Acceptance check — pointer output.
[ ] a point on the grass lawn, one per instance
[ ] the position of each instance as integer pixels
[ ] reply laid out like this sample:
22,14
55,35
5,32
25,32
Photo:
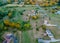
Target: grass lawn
25,37
55,19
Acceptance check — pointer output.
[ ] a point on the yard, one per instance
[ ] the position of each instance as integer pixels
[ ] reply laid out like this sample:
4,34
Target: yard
30,36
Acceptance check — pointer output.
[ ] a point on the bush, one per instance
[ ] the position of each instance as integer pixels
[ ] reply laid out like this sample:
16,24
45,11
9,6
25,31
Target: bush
9,14
25,25
6,22
43,27
34,17
37,29
17,25
12,24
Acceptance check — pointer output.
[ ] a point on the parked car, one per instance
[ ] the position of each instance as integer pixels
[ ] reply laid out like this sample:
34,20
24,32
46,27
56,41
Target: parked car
49,33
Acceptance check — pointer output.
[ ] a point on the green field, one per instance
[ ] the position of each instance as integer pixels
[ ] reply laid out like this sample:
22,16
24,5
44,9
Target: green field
25,37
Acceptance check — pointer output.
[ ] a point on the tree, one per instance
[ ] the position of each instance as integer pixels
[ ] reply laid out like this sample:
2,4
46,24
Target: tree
27,25
21,12
5,28
6,22
10,14
34,17
46,4
33,2
43,27
17,25
50,4
37,29
12,24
